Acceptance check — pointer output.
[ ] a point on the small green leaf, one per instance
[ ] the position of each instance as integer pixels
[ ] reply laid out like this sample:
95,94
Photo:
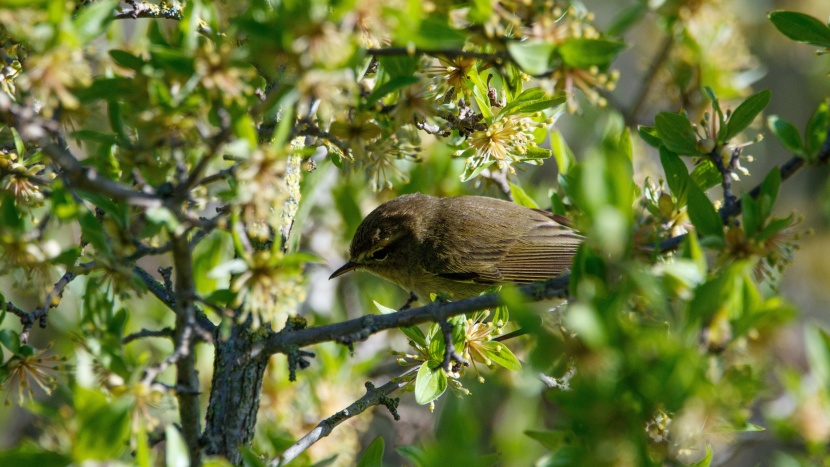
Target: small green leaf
817,348
677,175
19,147
801,28
470,173
176,454
552,440
744,114
817,127
585,53
627,18
534,154
565,158
702,213
10,340
430,383
389,87
384,310
94,19
533,57
160,215
92,232
706,175
707,459
769,191
676,133
521,198
127,60
786,133
499,354
373,454
415,455
649,135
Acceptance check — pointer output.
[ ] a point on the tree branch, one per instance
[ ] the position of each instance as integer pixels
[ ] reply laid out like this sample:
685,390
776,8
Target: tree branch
374,396
166,333
788,169
360,328
186,374
42,133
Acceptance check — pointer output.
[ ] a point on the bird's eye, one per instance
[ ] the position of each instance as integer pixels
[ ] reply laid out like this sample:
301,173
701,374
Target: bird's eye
380,254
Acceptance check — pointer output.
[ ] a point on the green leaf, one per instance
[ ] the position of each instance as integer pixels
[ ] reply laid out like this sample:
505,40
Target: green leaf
707,459
817,127
10,340
786,133
702,213
801,28
389,87
817,348
470,173
415,455
160,215
533,57
585,53
373,454
769,191
103,425
649,135
553,440
565,158
435,32
744,114
706,175
521,198
480,93
92,232
676,133
430,382
19,147
530,101
94,19
176,454
107,89
535,154
677,175
30,454
499,354
626,18
127,60
399,65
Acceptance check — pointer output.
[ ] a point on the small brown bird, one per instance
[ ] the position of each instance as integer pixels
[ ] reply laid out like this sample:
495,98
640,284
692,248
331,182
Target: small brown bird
460,246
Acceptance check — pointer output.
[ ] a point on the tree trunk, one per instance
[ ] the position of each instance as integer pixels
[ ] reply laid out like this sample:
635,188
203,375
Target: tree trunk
234,396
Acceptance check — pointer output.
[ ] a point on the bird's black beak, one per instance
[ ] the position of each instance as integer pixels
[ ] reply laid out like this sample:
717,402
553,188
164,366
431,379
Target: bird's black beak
350,266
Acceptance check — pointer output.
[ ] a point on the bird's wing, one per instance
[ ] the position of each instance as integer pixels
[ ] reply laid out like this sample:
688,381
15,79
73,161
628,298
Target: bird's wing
541,249
544,252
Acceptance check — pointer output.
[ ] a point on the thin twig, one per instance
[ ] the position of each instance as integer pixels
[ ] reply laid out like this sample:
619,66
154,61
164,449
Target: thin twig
374,396
43,133
166,333
355,329
450,354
